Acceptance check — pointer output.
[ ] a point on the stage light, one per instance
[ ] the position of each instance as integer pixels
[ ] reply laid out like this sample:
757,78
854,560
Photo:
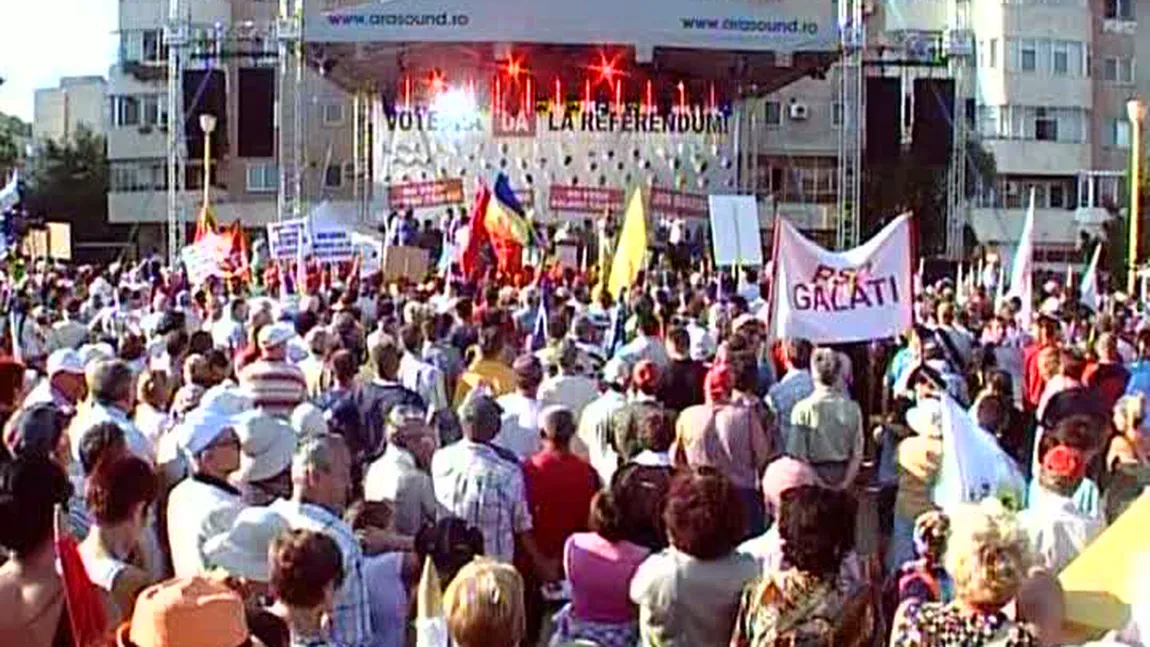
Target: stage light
606,69
682,87
455,109
558,95
619,95
514,69
437,82
650,97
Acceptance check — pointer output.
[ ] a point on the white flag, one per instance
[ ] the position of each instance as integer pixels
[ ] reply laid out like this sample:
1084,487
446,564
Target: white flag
10,193
1022,271
960,286
1088,293
855,295
974,466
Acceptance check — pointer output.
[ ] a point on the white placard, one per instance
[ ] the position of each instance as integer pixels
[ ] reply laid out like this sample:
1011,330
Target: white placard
735,230
285,238
370,251
837,297
205,259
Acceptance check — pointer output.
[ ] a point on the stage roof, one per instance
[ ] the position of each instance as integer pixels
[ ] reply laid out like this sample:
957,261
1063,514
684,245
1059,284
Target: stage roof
738,25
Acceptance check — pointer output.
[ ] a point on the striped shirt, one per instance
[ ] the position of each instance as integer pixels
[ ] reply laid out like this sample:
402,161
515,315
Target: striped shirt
277,387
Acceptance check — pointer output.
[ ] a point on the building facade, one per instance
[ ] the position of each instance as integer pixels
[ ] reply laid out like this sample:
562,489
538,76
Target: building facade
1048,84
79,101
232,68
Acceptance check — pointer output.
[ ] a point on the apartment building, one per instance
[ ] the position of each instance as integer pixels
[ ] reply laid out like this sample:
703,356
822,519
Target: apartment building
78,101
231,72
1048,84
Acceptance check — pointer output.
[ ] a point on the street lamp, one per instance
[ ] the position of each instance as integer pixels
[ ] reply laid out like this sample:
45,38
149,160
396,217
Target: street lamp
208,125
1136,111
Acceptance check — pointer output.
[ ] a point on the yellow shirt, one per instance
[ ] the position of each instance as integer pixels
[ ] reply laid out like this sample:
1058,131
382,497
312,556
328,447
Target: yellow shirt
497,375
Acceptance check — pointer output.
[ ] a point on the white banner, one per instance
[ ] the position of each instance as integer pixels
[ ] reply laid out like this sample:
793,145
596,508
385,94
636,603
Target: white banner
205,259
330,234
286,237
834,297
735,230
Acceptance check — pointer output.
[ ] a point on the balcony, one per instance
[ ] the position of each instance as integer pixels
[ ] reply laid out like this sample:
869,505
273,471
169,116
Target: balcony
1100,195
1032,157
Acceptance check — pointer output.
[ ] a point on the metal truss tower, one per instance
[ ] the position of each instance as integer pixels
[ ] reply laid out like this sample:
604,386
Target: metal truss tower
290,110
852,32
176,33
959,49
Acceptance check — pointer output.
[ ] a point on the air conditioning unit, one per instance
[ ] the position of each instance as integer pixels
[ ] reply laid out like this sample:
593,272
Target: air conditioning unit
799,111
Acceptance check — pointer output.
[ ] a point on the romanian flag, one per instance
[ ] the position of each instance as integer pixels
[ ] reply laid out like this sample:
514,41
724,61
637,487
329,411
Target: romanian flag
472,253
506,220
631,252
206,223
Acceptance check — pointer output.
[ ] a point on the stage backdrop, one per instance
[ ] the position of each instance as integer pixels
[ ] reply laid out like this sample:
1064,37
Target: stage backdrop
832,297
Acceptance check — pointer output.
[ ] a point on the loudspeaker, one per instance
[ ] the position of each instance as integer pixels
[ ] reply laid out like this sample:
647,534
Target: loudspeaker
205,91
256,125
883,110
933,132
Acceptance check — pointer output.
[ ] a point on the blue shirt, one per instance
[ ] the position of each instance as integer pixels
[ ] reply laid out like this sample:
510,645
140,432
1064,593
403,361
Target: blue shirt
1139,382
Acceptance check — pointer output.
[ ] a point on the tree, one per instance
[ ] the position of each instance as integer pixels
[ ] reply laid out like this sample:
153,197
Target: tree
13,134
68,182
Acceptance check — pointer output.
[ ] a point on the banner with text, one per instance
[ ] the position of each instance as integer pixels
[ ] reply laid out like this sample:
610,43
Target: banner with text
835,297
206,258
421,195
286,237
585,199
679,203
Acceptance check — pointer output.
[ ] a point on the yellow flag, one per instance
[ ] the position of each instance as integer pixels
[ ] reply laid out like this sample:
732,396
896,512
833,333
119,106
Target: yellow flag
631,252
1103,582
430,624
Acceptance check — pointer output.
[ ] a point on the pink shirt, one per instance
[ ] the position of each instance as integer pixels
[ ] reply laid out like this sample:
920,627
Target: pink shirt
600,575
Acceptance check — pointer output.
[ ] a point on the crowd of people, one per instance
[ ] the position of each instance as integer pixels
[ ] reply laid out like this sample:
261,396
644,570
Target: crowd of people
228,465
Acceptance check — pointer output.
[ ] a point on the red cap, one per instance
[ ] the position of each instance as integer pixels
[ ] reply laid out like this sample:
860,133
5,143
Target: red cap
1064,461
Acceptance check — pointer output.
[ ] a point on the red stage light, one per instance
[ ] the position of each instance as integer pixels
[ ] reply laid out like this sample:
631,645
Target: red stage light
514,69
606,69
682,87
619,95
436,81
558,94
650,96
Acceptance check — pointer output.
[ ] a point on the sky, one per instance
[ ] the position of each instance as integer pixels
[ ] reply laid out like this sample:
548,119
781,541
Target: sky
42,40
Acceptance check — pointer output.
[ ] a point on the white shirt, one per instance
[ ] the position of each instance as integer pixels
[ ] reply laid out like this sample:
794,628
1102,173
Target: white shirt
227,333
574,392
703,345
594,431
1058,531
519,432
95,413
395,477
424,379
645,348
198,510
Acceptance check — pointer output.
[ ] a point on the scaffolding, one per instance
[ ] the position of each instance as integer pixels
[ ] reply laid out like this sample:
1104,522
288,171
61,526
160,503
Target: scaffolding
852,30
176,33
289,110
959,50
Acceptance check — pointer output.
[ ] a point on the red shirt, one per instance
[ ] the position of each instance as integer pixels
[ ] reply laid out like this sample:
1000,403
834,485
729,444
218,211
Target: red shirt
1107,381
559,491
1032,383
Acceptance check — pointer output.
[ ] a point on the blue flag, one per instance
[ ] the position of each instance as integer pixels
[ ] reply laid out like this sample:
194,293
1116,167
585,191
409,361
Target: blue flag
616,337
538,339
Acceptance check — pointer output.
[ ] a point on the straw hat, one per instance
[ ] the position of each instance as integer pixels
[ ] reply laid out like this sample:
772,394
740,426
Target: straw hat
186,612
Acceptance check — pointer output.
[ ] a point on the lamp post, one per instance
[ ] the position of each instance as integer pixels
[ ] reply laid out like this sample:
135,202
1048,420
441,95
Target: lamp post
1136,111
208,125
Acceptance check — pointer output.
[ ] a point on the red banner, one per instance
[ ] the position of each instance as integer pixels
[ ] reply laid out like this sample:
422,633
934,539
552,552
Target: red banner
418,195
585,199
677,203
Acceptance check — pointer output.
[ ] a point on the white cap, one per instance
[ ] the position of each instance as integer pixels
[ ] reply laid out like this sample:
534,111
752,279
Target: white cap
201,428
307,420
267,444
276,335
65,360
616,371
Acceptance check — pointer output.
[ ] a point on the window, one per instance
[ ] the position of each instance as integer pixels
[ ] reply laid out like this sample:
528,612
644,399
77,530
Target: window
1028,56
1045,125
138,175
1061,59
1120,133
774,113
152,44
1058,196
836,114
153,110
333,176
333,114
131,47
126,111
1120,9
1118,69
263,177
993,52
